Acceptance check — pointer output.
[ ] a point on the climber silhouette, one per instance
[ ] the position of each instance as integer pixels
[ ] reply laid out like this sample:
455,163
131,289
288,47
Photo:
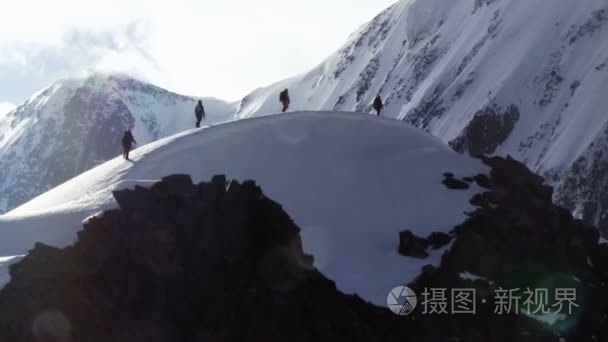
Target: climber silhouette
284,99
127,143
199,111
378,106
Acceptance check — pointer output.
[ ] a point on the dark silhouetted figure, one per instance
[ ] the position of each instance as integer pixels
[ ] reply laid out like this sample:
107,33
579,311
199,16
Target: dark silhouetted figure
284,99
199,111
378,106
127,143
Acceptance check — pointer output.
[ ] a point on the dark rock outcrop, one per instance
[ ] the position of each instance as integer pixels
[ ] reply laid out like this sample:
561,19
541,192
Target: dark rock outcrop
455,184
488,129
217,261
518,239
416,247
483,181
437,240
412,246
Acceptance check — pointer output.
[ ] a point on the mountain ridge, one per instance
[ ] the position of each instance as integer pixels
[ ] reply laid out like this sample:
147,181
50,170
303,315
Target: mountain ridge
313,163
482,76
499,77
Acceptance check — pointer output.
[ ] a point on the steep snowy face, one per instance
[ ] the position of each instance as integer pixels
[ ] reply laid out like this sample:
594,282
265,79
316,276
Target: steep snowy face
76,124
524,78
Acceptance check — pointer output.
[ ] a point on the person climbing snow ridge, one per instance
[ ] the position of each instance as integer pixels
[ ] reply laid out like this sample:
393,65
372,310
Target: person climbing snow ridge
127,142
199,112
284,99
378,106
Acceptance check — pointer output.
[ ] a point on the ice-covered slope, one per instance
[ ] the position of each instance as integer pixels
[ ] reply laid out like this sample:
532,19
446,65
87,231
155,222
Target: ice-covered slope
77,123
350,181
525,78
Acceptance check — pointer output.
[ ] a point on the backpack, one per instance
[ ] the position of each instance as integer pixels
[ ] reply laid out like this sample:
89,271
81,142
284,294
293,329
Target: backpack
127,138
377,103
200,110
283,96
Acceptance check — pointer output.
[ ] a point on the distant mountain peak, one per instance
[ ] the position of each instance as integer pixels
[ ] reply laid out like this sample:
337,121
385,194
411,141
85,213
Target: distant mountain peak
76,123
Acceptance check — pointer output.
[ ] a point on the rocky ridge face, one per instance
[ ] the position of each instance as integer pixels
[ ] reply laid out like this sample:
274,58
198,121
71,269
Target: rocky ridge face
219,261
517,239
216,261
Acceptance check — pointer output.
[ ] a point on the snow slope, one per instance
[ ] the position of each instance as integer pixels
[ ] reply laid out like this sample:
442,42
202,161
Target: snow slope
77,123
524,78
352,182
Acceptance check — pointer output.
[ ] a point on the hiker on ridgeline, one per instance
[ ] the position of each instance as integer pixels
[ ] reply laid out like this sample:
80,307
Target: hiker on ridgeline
127,143
199,111
284,99
378,106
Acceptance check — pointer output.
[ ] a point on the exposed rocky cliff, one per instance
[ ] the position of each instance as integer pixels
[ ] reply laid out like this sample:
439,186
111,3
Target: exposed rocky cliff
517,239
217,261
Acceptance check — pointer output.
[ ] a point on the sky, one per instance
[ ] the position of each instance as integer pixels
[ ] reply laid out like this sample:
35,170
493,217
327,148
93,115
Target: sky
220,48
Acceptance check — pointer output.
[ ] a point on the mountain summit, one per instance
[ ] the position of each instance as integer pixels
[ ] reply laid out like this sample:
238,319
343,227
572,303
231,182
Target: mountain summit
504,77
340,176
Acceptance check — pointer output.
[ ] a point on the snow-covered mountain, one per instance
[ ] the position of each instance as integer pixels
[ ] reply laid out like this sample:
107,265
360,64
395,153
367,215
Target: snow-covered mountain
76,124
485,76
524,78
351,182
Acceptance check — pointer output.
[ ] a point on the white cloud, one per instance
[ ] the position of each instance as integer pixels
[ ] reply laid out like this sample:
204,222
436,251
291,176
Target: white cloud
222,48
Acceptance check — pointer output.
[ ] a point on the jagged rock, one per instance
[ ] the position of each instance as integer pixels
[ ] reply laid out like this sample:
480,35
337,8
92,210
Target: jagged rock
508,171
216,261
452,183
511,174
599,260
483,181
488,129
518,239
174,185
412,246
415,247
219,180
133,199
437,240
480,200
